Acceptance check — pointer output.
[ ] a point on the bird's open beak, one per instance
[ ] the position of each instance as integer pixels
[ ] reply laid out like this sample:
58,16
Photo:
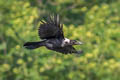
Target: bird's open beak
79,43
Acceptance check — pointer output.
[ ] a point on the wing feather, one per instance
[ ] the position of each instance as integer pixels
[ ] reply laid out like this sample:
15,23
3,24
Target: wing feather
51,28
66,49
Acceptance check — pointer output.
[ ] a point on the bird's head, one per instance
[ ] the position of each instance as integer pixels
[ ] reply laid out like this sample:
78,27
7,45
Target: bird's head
71,42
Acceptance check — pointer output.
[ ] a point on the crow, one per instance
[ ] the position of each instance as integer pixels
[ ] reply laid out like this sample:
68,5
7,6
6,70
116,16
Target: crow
51,33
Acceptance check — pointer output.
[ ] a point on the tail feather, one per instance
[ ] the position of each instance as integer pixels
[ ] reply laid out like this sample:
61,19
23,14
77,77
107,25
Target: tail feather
33,45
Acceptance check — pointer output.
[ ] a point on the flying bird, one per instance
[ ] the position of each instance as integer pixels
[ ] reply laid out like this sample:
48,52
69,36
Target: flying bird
51,33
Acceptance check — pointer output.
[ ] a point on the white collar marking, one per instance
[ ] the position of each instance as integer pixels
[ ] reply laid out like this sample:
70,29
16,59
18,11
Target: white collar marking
64,42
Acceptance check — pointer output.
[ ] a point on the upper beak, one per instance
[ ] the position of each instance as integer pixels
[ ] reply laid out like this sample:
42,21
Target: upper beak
79,43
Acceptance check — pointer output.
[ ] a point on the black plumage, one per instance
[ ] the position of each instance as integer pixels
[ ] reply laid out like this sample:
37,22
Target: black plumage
51,31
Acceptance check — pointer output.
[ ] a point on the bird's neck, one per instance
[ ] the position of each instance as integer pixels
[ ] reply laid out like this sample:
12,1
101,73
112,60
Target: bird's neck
65,42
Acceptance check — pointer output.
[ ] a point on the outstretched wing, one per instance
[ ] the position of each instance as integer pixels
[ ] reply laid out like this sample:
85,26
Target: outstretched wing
66,49
51,28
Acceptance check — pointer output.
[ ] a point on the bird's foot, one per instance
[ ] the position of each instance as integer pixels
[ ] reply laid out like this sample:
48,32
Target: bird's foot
79,52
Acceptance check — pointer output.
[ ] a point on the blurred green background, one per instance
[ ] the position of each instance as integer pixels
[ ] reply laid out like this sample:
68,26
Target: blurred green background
94,22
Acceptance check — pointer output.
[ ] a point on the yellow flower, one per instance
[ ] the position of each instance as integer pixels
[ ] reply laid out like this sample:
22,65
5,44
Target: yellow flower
117,64
92,64
112,61
105,64
18,20
15,70
76,60
6,66
95,7
26,4
59,61
81,59
27,32
53,60
47,66
20,61
31,18
13,8
29,59
112,66
82,75
84,9
91,17
42,69
18,47
75,34
81,28
89,55
65,56
70,75
105,6
96,51
89,34
117,18
98,39
71,27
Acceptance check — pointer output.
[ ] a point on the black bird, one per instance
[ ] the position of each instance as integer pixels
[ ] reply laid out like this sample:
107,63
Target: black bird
51,31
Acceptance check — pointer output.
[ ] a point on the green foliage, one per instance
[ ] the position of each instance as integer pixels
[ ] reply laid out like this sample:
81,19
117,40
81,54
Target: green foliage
95,22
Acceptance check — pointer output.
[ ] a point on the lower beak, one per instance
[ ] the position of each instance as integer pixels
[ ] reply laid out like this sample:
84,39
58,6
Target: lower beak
79,43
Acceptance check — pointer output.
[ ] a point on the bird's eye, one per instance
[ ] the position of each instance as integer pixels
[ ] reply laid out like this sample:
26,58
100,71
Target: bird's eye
66,42
74,41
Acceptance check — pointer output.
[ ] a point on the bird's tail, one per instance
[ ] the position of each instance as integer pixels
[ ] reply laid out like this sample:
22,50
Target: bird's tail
33,45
